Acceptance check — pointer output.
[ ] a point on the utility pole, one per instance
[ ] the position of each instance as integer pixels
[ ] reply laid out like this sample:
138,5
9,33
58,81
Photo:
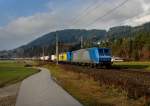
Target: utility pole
57,58
43,54
81,42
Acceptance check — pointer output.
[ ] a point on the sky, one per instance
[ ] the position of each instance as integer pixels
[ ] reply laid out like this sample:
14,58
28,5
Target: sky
22,21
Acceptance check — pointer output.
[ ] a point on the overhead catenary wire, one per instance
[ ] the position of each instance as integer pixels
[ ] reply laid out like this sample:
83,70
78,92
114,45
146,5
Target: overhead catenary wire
87,11
109,12
91,8
138,15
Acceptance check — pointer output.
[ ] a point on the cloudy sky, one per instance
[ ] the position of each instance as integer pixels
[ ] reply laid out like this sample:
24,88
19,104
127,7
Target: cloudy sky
22,21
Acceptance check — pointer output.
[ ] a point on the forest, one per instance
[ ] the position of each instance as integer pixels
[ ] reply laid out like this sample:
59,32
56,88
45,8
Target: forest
135,48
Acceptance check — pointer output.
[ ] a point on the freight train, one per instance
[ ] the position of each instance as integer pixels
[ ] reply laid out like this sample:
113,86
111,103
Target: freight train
89,56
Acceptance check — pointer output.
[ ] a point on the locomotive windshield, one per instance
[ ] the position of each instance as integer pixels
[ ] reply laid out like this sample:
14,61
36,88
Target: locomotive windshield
101,52
104,52
107,52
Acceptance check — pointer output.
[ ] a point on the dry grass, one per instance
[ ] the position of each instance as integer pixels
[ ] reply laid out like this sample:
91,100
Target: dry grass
89,91
8,101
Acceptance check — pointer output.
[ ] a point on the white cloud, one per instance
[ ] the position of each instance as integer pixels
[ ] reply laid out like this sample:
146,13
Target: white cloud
139,20
143,19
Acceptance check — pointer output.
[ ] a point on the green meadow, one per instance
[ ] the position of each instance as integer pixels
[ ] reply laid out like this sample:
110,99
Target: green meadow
14,71
133,65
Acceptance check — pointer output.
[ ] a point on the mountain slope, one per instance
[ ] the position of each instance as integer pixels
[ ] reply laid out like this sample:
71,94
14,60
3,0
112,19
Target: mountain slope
67,36
69,39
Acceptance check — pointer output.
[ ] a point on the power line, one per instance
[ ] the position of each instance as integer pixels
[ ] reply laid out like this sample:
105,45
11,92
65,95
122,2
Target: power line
109,12
88,9
83,12
127,19
81,42
86,12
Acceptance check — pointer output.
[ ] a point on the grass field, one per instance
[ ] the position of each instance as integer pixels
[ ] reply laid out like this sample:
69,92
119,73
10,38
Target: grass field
102,87
132,65
13,71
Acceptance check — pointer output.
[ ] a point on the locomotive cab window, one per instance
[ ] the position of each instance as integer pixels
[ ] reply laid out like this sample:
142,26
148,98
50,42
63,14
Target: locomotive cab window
107,52
101,52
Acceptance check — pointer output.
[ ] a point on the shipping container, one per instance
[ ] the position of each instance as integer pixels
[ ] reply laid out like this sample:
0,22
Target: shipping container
62,57
69,56
53,57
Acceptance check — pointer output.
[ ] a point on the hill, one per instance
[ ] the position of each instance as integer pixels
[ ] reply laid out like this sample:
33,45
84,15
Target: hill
69,39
